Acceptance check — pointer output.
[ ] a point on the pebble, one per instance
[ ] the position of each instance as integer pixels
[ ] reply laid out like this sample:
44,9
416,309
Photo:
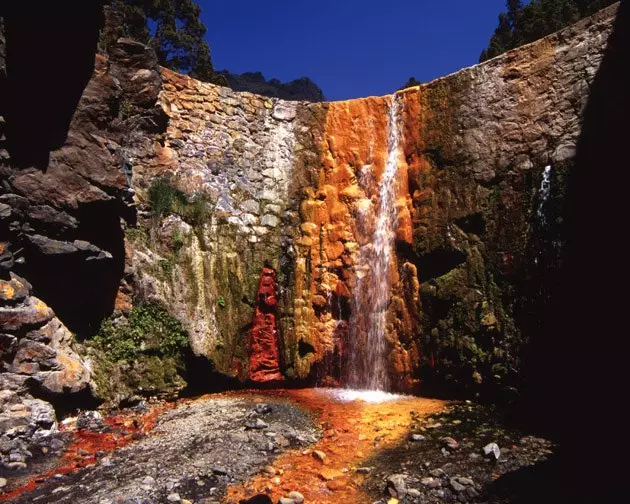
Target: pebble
3,482
492,451
417,437
262,408
286,500
449,442
258,424
396,486
319,455
456,485
296,497
437,473
431,482
221,471
174,497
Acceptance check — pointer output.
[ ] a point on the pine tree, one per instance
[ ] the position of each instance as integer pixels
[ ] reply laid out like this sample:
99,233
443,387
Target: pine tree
177,35
523,24
501,41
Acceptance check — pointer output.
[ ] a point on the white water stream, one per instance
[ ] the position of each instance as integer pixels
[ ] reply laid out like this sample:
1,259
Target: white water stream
371,296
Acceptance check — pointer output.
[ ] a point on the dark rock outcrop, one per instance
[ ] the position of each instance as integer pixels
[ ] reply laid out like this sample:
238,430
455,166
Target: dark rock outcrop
303,89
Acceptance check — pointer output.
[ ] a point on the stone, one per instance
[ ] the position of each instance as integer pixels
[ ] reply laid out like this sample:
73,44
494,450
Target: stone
34,312
284,111
3,482
250,206
262,408
285,500
456,485
431,482
269,220
449,443
396,486
492,451
296,497
173,497
330,474
148,481
319,455
417,437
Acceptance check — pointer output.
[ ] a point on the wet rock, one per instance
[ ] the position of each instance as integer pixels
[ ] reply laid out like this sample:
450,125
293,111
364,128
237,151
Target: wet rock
91,420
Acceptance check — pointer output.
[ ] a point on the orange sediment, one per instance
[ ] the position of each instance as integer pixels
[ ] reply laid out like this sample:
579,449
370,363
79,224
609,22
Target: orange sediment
352,433
82,450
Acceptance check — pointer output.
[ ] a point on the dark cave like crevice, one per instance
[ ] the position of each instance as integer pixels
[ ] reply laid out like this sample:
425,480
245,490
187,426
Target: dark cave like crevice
578,354
439,262
305,348
80,287
474,223
50,50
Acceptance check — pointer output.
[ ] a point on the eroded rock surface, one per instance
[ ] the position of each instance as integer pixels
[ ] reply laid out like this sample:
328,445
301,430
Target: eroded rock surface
195,451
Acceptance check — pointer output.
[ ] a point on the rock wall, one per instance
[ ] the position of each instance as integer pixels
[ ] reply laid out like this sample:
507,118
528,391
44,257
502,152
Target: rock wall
482,163
257,185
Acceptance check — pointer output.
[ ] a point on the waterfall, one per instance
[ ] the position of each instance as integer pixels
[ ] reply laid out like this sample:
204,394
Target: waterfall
544,192
371,295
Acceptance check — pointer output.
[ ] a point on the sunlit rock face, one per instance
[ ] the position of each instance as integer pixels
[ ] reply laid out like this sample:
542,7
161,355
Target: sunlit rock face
293,191
295,188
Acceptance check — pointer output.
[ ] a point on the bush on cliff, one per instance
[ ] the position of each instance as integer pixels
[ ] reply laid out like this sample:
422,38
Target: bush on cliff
165,199
142,353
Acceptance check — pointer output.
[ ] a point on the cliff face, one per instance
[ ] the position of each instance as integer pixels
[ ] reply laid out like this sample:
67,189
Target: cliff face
261,253
481,163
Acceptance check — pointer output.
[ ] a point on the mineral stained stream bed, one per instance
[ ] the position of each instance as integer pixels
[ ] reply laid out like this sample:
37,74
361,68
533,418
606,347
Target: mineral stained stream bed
319,445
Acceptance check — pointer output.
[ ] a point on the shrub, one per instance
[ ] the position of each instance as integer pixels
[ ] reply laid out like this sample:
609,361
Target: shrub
149,329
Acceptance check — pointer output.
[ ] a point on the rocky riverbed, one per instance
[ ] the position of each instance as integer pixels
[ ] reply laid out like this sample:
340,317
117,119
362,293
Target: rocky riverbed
289,447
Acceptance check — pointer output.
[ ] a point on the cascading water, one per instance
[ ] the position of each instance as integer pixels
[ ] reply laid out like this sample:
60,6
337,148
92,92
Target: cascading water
371,295
545,190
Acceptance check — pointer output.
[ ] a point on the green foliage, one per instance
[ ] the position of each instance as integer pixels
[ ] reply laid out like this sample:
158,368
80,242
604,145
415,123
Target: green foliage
178,241
522,24
147,330
167,267
166,199
178,35
163,197
221,301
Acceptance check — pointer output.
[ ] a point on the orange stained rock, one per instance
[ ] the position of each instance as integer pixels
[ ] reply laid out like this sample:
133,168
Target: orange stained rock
86,444
352,432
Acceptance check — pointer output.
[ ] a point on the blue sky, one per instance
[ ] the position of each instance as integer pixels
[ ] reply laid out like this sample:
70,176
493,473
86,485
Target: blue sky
350,48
